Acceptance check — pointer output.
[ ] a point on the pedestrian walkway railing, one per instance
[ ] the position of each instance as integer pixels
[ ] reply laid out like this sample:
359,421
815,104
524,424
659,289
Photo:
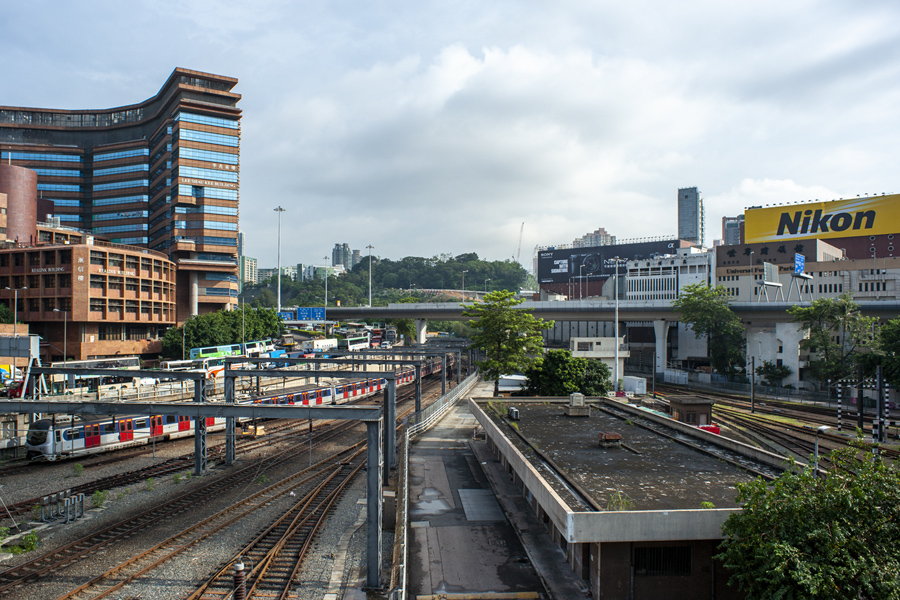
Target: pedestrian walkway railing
413,426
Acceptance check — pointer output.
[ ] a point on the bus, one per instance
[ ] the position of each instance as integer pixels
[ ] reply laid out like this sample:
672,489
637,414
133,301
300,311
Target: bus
91,383
354,343
217,351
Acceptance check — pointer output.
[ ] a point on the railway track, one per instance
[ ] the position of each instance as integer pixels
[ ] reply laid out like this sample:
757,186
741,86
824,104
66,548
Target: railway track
13,579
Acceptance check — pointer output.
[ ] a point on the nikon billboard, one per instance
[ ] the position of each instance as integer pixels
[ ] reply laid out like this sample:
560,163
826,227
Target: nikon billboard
823,220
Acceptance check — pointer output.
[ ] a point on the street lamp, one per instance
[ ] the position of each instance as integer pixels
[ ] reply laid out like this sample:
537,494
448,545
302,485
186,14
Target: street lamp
325,309
616,292
464,285
16,306
65,333
485,286
279,210
370,246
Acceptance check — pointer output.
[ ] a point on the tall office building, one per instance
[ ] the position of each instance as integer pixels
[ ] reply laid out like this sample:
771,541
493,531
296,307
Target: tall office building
731,230
691,216
161,174
355,259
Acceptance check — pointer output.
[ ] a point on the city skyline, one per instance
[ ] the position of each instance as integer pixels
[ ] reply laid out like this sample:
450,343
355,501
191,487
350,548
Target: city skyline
379,122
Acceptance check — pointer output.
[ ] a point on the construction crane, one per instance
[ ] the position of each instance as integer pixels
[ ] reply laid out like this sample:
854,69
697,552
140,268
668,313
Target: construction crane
519,245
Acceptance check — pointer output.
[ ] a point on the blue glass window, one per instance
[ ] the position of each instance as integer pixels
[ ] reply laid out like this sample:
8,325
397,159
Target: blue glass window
213,174
74,218
208,155
59,172
58,187
209,138
39,156
208,192
131,240
121,228
219,241
121,200
204,120
124,169
209,210
133,214
221,277
122,154
59,202
117,185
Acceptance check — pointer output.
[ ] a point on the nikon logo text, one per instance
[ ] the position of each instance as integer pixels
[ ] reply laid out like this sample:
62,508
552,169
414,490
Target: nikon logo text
808,221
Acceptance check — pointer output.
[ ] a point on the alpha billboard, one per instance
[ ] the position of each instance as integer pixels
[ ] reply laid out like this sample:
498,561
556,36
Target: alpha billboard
591,264
823,220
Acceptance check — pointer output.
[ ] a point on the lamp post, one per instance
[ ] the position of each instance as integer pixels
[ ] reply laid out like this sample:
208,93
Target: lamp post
370,246
279,210
821,429
325,309
616,292
485,286
16,306
65,333
464,285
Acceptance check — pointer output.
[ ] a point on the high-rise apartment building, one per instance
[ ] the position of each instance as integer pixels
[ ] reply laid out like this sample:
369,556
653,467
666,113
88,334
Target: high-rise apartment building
355,259
731,230
599,237
691,216
341,255
249,272
162,174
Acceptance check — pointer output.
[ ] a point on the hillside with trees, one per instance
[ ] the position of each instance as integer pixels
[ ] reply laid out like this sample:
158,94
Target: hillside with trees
412,277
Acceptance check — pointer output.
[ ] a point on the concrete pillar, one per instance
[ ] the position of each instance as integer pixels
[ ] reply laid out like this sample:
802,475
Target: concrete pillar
661,329
374,506
194,301
200,458
229,422
421,328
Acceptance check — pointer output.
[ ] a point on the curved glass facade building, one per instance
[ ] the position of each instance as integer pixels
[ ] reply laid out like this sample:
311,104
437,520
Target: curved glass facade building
162,174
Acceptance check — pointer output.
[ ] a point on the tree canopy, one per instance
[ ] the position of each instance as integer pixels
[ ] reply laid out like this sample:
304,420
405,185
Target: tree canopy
558,373
838,332
220,328
509,337
887,345
706,309
829,538
392,281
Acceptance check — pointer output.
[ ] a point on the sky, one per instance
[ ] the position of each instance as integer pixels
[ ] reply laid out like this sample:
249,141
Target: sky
439,127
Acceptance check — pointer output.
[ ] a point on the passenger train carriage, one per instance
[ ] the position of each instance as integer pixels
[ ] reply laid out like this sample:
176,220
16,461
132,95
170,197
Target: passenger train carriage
67,437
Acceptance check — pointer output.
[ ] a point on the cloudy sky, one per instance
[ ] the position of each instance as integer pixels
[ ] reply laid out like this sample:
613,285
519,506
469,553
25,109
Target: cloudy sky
435,127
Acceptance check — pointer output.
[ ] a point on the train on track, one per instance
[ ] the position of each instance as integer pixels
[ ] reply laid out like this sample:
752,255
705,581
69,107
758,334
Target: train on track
68,437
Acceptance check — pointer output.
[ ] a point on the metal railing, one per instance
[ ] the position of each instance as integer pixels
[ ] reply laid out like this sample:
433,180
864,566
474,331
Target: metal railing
413,426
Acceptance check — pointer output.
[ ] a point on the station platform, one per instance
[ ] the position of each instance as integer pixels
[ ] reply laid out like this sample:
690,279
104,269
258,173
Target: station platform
472,534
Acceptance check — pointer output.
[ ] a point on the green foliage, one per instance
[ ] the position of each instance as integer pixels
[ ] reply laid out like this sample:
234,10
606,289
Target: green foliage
176,478
4,533
150,483
98,498
78,469
558,373
707,505
838,333
619,502
706,310
803,536
772,372
219,328
887,351
30,541
36,511
6,315
392,281
509,337
262,479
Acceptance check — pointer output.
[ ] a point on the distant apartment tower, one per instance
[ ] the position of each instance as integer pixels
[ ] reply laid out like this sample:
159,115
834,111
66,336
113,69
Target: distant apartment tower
600,237
161,174
731,230
691,216
341,255
355,259
249,272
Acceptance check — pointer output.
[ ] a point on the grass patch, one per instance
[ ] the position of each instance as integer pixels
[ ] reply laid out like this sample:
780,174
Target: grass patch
78,469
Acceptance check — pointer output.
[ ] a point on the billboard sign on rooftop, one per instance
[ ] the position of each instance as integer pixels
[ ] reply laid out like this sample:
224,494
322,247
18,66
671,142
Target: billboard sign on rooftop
596,262
823,220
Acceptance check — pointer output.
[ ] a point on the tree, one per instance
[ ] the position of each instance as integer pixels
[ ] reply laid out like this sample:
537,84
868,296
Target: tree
888,347
773,373
219,328
837,334
509,337
6,315
558,373
803,536
706,310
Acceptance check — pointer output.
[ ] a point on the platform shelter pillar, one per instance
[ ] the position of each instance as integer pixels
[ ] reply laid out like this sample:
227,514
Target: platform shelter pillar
418,387
421,328
200,463
229,423
374,464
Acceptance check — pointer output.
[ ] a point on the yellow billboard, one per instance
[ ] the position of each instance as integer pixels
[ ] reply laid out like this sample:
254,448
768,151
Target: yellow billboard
823,220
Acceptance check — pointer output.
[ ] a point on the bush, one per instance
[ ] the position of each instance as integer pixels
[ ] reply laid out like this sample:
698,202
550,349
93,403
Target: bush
150,483
707,505
176,478
4,533
78,469
30,541
98,498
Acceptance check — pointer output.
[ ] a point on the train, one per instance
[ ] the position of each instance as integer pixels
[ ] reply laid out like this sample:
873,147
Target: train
65,437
